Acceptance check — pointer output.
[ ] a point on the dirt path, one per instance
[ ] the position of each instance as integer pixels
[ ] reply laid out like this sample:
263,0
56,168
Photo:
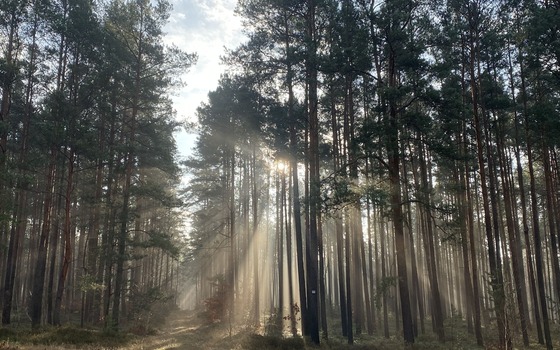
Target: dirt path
184,330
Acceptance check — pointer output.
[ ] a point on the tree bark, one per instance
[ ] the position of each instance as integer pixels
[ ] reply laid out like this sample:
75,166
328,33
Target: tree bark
314,191
393,153
429,246
67,253
514,244
41,262
495,272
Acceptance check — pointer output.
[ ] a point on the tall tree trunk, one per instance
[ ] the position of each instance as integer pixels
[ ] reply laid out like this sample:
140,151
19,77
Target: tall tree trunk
459,175
232,233
289,250
429,245
524,215
322,274
538,248
469,208
256,237
514,244
383,234
105,269
344,312
129,165
551,210
7,85
92,254
281,208
122,236
371,255
298,232
314,179
41,262
495,272
67,252
409,244
19,224
297,207
349,285
393,153
499,293
55,260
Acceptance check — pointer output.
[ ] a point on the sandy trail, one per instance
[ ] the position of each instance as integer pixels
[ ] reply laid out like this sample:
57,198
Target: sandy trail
184,330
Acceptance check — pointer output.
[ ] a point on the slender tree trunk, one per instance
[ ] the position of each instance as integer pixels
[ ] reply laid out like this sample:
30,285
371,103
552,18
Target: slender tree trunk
397,216
409,241
344,314
7,89
551,207
459,175
371,273
231,271
469,209
129,163
429,244
281,204
256,238
67,253
322,288
92,253
499,293
314,190
383,234
41,262
54,246
293,324
495,272
524,215
538,248
369,314
349,285
16,234
297,215
121,240
18,226
396,204
105,269
514,244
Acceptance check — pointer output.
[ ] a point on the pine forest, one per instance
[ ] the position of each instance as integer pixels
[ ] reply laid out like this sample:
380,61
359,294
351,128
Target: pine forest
364,172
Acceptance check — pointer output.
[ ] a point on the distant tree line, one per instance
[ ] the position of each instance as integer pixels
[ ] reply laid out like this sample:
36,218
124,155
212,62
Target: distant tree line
88,173
387,164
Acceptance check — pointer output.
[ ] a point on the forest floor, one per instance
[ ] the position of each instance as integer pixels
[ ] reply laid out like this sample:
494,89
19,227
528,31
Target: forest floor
185,330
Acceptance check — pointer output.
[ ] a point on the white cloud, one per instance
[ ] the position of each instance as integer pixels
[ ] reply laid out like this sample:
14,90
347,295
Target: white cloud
204,27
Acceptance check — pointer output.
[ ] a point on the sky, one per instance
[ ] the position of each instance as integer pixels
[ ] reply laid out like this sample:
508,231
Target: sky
204,27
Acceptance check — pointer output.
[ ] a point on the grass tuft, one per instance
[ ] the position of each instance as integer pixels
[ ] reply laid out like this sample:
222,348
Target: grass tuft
4,345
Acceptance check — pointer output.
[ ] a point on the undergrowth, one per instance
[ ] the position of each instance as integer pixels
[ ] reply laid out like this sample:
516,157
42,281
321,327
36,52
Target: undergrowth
186,332
69,336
